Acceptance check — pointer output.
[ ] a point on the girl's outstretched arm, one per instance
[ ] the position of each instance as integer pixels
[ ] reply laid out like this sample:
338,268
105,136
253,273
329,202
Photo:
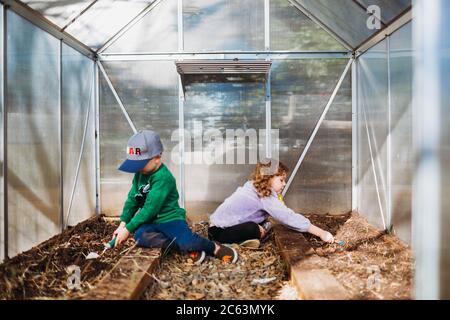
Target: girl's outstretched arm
322,234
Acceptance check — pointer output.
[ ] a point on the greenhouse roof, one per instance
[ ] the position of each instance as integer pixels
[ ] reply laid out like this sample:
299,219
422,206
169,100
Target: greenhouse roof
97,23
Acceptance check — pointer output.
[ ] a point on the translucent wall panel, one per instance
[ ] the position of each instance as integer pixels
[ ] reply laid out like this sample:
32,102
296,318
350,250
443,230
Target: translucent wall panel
401,130
290,29
220,106
157,31
389,8
323,183
77,99
149,91
300,91
114,134
373,129
2,198
60,12
223,25
104,19
344,17
33,157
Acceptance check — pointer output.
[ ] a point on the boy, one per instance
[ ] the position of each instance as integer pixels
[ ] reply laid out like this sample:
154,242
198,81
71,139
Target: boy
160,220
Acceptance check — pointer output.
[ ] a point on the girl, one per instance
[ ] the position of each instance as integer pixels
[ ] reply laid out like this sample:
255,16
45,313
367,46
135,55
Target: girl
241,218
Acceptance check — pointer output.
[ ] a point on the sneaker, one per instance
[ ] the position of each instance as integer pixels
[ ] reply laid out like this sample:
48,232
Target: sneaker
250,244
197,257
226,254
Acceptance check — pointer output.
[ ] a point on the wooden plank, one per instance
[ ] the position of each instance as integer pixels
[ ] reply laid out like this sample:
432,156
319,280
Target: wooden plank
129,277
307,270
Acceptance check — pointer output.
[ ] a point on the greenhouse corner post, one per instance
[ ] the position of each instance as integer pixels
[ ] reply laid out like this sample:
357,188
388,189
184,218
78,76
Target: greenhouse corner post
181,97
354,135
97,139
5,131
61,145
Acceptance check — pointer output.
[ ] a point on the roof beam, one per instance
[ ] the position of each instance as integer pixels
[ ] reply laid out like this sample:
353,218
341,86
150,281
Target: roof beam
396,23
40,21
79,15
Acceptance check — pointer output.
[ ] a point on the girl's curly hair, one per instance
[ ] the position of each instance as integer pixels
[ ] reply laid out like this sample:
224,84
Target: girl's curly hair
261,180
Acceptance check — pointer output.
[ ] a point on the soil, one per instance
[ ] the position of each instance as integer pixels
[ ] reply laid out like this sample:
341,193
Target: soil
42,272
371,264
178,278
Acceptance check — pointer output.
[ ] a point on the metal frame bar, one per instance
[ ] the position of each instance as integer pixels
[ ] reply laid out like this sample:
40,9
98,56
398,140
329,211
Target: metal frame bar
321,24
97,141
316,128
268,98
355,135
396,23
79,15
40,21
267,25
124,111
429,29
389,140
229,55
80,157
373,168
5,134
61,142
181,98
128,26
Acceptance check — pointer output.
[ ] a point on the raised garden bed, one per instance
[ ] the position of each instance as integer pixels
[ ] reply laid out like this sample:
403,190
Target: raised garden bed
369,265
42,272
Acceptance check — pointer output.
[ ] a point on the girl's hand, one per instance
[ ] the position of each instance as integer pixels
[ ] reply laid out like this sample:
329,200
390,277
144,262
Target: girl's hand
122,235
327,237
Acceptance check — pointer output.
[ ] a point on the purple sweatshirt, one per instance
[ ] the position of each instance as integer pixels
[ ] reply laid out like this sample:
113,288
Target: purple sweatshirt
246,205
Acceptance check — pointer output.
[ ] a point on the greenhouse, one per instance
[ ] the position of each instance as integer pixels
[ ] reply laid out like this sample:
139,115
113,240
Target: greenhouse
349,95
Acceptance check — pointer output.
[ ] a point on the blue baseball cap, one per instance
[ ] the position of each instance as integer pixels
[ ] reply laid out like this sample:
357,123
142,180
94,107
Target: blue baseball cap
141,147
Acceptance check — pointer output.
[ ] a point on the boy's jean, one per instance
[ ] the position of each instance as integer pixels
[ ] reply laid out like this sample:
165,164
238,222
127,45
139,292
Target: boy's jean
178,231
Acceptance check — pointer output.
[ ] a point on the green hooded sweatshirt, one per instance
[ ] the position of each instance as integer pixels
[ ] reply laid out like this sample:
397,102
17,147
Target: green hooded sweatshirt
161,203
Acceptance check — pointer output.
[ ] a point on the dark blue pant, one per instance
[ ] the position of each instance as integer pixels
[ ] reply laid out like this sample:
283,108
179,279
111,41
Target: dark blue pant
178,231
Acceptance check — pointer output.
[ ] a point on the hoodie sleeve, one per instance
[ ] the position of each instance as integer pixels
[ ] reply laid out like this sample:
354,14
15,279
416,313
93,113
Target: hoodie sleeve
131,206
280,212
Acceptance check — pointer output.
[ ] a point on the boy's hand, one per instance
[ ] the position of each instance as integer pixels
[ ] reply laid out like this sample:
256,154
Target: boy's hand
121,226
122,235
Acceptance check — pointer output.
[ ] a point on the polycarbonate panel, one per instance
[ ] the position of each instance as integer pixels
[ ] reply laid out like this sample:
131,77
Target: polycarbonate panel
114,134
77,98
372,134
60,12
33,158
149,92
104,19
300,91
290,29
157,31
220,107
389,9
344,17
402,159
2,193
223,25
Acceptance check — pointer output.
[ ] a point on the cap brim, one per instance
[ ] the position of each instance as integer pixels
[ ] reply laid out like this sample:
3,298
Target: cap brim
133,166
